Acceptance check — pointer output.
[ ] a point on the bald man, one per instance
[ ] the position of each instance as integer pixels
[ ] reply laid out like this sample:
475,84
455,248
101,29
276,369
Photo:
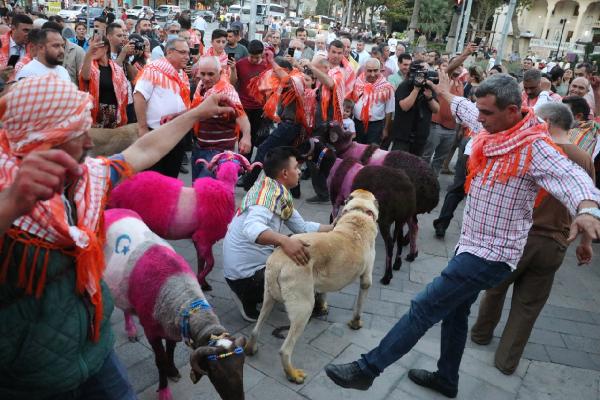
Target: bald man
374,104
219,133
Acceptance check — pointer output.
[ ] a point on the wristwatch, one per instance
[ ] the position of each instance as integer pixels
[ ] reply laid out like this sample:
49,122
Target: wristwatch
594,212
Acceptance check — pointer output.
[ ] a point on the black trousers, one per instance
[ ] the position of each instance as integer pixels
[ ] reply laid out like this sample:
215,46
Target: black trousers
456,191
256,120
169,165
415,147
249,290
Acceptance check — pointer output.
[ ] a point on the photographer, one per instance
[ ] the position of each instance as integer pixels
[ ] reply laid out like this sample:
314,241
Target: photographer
415,102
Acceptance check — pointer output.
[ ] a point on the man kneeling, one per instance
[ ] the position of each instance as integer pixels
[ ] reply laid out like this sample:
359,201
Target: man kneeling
255,230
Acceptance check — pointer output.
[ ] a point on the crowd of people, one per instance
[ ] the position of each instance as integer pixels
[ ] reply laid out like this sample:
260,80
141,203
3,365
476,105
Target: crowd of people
262,98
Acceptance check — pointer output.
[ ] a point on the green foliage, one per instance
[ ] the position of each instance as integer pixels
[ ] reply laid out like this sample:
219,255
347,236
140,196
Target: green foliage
396,10
322,7
435,16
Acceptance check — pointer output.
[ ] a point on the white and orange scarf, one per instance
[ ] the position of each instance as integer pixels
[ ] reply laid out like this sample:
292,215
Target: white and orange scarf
371,93
222,87
40,113
161,73
498,155
335,95
119,83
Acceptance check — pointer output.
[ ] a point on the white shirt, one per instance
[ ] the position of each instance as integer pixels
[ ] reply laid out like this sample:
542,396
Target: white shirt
331,36
242,256
199,24
378,110
363,56
160,102
157,53
348,125
16,49
392,64
36,68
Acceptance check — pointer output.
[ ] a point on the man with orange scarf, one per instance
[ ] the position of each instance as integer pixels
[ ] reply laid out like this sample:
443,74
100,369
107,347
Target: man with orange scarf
512,158
374,104
14,42
217,134
163,89
54,307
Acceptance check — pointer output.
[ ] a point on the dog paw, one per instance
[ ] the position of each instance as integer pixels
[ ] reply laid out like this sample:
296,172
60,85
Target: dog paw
320,311
296,376
355,324
385,280
251,349
412,256
397,264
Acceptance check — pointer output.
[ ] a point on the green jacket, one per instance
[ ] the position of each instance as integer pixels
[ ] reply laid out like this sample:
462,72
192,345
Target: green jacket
44,343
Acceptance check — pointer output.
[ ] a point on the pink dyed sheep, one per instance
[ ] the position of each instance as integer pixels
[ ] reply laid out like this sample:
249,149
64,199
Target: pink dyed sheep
176,212
148,278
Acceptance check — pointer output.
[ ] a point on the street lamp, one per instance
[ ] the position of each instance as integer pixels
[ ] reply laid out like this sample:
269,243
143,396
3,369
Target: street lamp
563,21
497,15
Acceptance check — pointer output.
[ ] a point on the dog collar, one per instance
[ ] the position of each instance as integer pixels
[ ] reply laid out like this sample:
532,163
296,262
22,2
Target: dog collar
321,156
192,308
368,212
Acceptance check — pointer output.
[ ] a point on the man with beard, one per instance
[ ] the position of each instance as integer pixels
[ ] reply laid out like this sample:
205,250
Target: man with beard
50,54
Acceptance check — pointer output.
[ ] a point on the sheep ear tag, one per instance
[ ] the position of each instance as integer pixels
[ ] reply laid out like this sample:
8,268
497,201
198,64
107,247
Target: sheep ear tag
333,137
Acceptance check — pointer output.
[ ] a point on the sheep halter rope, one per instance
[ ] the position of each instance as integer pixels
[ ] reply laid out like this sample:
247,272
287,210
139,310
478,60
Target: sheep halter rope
192,308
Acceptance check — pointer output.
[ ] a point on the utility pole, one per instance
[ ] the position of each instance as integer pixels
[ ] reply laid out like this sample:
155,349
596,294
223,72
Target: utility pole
464,26
507,21
349,20
563,21
252,23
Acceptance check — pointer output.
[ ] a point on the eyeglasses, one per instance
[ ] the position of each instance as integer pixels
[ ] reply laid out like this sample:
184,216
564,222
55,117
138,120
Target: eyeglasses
173,31
183,52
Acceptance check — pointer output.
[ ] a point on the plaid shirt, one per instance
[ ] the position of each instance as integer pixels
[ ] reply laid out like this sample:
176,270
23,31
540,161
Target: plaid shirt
498,216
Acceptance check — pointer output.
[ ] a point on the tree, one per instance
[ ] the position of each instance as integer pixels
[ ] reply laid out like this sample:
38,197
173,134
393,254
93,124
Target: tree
434,17
414,20
322,7
522,5
396,11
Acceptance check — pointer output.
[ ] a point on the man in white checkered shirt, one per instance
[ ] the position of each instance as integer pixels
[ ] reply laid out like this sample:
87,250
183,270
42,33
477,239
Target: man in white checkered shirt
512,158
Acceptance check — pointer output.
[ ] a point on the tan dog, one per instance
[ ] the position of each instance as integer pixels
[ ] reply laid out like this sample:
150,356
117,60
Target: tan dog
337,258
112,141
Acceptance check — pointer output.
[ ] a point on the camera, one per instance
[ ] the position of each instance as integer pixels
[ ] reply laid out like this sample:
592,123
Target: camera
418,75
138,43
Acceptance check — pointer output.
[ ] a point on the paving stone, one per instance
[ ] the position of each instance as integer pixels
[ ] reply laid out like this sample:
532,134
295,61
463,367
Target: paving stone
131,353
573,358
546,381
322,387
378,307
582,343
395,296
547,337
332,341
269,388
557,325
342,316
536,352
570,314
589,330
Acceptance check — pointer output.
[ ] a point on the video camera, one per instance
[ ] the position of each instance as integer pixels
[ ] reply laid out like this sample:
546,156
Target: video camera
418,75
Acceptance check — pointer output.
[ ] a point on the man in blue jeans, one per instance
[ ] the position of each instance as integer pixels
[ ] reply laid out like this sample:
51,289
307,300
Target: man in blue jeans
512,157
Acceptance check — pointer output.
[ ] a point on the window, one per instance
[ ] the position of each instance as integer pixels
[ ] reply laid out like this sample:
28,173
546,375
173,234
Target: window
576,10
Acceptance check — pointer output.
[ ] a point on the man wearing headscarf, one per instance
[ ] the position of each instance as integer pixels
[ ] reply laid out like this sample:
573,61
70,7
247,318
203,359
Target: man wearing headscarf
54,308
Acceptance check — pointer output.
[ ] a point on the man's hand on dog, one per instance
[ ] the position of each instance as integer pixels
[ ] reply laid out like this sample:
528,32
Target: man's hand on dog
295,249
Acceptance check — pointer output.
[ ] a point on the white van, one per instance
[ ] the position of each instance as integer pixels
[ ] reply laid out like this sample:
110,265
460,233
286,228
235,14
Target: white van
262,10
233,11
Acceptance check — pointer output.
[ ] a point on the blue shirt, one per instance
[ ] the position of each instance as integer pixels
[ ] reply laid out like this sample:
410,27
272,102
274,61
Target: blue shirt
242,256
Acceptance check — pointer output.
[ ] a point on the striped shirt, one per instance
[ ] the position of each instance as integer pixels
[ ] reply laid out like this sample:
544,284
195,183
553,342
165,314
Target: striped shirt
498,216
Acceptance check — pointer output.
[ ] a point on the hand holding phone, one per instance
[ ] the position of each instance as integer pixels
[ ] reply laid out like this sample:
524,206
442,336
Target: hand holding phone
291,51
13,60
230,56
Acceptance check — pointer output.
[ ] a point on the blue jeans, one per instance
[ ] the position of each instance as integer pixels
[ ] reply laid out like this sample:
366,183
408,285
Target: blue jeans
447,298
199,170
110,383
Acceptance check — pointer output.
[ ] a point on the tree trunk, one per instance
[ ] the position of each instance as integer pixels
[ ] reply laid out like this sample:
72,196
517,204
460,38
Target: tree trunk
451,44
414,21
516,32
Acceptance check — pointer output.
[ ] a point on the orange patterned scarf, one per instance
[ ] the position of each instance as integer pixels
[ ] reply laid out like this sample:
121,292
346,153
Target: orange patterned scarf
119,83
161,73
221,87
498,155
39,113
371,93
335,95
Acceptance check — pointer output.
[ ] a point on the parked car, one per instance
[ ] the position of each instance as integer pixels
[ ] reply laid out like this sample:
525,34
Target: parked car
166,12
208,15
73,13
137,11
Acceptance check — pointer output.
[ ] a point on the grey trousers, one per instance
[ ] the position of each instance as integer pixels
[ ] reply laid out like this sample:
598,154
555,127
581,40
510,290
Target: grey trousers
439,143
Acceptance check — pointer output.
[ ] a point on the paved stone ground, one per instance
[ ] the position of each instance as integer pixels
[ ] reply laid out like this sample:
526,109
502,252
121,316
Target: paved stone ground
561,360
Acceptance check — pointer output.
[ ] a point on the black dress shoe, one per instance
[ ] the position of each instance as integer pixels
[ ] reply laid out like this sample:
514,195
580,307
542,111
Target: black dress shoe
432,381
349,376
440,231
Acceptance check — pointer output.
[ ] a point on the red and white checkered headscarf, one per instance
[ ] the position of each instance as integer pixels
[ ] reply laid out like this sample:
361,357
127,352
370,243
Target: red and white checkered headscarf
42,112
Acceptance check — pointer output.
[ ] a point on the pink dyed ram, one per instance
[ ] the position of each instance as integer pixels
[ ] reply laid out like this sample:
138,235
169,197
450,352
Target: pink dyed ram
201,212
148,278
